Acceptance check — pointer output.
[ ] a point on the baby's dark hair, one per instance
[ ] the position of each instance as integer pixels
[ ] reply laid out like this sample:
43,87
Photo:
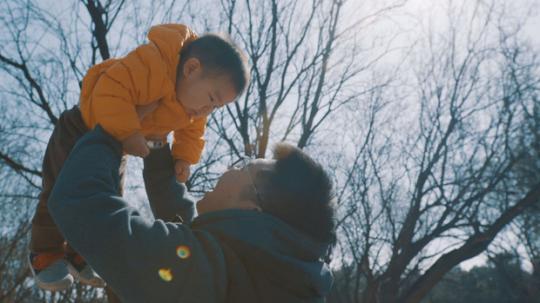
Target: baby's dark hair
218,56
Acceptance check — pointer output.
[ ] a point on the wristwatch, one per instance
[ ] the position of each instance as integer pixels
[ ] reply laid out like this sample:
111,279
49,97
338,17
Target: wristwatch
155,144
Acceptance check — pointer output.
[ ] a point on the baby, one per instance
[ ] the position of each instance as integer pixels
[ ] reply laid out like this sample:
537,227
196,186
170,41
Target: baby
168,85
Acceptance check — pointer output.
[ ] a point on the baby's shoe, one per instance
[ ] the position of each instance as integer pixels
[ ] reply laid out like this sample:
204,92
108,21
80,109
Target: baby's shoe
82,271
50,271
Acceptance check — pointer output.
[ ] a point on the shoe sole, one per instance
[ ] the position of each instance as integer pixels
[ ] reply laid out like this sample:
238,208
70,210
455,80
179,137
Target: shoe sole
75,273
56,286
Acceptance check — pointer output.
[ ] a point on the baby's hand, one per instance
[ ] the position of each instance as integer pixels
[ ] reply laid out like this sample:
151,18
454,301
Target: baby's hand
144,110
136,145
181,168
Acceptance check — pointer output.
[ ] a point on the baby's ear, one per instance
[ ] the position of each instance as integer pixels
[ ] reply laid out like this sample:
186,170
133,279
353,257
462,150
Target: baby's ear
191,66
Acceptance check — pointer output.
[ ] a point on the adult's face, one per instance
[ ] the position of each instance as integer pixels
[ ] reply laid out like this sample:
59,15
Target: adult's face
229,192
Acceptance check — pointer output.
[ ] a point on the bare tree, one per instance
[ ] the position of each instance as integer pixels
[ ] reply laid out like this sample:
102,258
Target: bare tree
304,63
418,193
45,54
304,59
415,208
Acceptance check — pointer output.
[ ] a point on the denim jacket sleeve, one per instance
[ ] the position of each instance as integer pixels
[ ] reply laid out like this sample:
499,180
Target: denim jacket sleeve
168,198
142,260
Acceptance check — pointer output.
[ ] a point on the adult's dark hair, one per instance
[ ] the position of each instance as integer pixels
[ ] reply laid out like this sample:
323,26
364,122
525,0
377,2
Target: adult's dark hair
299,192
218,56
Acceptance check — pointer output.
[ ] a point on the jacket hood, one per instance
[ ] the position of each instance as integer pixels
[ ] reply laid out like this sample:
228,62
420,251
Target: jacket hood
170,39
273,250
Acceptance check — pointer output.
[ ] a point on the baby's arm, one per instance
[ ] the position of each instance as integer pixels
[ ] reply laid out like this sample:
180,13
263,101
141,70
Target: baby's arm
187,147
136,144
182,170
136,79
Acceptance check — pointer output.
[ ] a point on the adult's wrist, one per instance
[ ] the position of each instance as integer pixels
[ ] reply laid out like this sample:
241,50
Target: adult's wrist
100,134
159,158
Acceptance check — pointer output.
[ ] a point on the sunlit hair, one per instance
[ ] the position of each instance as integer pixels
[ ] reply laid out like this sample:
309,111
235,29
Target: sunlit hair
299,192
218,56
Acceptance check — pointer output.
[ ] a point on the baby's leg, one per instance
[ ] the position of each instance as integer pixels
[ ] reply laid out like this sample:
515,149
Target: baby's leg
45,236
46,257
47,245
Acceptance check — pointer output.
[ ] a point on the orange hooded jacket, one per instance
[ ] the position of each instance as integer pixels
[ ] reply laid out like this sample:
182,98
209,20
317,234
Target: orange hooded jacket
111,90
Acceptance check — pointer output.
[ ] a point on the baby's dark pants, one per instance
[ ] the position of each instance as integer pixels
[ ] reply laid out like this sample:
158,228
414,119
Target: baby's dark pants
45,236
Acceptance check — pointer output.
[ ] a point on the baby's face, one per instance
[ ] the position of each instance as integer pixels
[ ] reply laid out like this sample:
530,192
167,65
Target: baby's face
200,94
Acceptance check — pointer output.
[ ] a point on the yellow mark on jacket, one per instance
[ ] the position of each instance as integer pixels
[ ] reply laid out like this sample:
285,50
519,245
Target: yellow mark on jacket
165,274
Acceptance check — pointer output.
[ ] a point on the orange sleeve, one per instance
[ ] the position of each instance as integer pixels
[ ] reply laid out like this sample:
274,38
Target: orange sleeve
136,79
188,144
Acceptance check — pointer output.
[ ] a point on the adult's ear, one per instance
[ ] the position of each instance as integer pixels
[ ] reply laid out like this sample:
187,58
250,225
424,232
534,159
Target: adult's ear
262,181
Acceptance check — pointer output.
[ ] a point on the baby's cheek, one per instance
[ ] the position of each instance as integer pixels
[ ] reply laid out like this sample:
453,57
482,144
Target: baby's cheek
208,110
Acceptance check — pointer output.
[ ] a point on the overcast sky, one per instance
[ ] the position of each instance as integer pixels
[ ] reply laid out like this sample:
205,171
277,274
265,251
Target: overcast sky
415,18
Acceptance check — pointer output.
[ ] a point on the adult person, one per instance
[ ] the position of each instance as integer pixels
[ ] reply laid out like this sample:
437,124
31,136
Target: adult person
260,234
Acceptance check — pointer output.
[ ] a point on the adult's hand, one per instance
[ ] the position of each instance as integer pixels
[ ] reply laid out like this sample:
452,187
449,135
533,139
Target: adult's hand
136,145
